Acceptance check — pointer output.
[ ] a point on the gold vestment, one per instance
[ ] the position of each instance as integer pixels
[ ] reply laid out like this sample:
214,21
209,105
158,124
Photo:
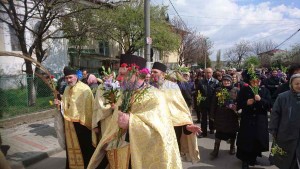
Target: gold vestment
101,113
181,115
77,107
78,104
152,138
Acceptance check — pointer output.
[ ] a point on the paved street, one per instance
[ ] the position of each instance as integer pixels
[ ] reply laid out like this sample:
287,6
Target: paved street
225,161
36,146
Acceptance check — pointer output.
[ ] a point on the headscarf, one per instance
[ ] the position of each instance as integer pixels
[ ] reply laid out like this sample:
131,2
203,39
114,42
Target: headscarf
291,80
227,77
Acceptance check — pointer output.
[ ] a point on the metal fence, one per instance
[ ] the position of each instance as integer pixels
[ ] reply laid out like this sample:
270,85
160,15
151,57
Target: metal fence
15,97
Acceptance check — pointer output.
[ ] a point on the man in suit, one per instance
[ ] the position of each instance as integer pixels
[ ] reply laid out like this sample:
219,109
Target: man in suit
207,87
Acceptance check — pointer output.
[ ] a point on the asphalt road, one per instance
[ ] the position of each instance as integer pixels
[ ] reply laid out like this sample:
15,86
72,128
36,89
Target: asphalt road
224,161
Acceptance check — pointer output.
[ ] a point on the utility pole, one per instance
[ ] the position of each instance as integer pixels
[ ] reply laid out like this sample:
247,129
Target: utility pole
148,40
205,53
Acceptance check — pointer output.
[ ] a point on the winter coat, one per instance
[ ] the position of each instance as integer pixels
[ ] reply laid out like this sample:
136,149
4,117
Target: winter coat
285,126
283,88
253,132
225,119
273,83
186,91
207,90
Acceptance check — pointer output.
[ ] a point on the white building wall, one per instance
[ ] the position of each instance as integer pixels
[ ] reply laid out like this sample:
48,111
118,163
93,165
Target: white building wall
9,66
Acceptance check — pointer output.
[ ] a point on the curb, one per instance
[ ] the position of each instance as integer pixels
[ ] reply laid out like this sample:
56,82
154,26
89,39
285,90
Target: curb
27,118
34,159
41,156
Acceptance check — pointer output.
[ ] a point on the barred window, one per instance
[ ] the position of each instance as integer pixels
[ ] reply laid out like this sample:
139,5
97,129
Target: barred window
104,48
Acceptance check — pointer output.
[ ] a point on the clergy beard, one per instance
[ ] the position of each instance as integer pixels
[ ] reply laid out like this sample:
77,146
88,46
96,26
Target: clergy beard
72,84
157,81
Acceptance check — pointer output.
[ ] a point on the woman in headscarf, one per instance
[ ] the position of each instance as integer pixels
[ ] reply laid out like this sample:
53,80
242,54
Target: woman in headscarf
253,135
285,127
223,112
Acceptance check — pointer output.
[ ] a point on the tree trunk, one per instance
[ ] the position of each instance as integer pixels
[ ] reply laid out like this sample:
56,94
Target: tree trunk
31,93
31,96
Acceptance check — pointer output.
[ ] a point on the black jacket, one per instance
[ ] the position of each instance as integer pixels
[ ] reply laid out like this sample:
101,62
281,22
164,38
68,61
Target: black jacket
253,133
186,92
207,90
225,119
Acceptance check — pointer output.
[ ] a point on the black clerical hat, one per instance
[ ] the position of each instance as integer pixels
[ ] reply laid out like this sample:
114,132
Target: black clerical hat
69,71
133,59
159,66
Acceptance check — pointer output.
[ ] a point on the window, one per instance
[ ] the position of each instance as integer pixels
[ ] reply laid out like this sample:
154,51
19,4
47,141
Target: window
104,48
14,41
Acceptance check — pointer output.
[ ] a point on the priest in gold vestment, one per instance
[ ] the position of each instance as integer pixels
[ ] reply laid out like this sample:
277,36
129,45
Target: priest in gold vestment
148,138
77,103
186,131
102,114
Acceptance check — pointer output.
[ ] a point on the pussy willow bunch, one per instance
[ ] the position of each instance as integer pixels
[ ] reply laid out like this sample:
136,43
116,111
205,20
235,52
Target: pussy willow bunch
222,96
200,98
253,76
276,150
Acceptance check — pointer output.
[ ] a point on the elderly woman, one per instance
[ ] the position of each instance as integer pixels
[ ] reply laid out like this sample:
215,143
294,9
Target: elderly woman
253,135
285,126
223,112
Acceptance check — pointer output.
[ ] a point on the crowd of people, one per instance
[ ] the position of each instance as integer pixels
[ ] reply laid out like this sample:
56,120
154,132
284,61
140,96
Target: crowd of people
231,104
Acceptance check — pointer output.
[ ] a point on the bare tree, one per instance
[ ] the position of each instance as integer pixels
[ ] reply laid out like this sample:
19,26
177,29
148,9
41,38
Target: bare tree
238,53
218,63
263,46
36,17
295,53
194,48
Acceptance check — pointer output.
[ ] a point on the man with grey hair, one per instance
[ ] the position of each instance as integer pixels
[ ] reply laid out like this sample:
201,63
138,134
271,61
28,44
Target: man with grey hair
77,108
207,87
181,117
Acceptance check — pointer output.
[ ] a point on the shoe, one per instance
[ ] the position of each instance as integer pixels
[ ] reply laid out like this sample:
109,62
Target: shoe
232,146
253,163
215,152
202,135
198,121
245,165
211,132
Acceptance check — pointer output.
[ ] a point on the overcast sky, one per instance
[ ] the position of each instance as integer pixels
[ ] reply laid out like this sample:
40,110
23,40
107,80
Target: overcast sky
227,22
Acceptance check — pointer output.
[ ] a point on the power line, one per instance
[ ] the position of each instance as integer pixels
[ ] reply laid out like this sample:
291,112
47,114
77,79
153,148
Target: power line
287,38
194,16
178,15
259,39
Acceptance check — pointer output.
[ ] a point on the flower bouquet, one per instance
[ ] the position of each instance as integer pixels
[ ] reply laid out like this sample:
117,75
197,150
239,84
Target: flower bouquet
223,96
110,87
277,153
130,92
253,76
200,98
276,150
